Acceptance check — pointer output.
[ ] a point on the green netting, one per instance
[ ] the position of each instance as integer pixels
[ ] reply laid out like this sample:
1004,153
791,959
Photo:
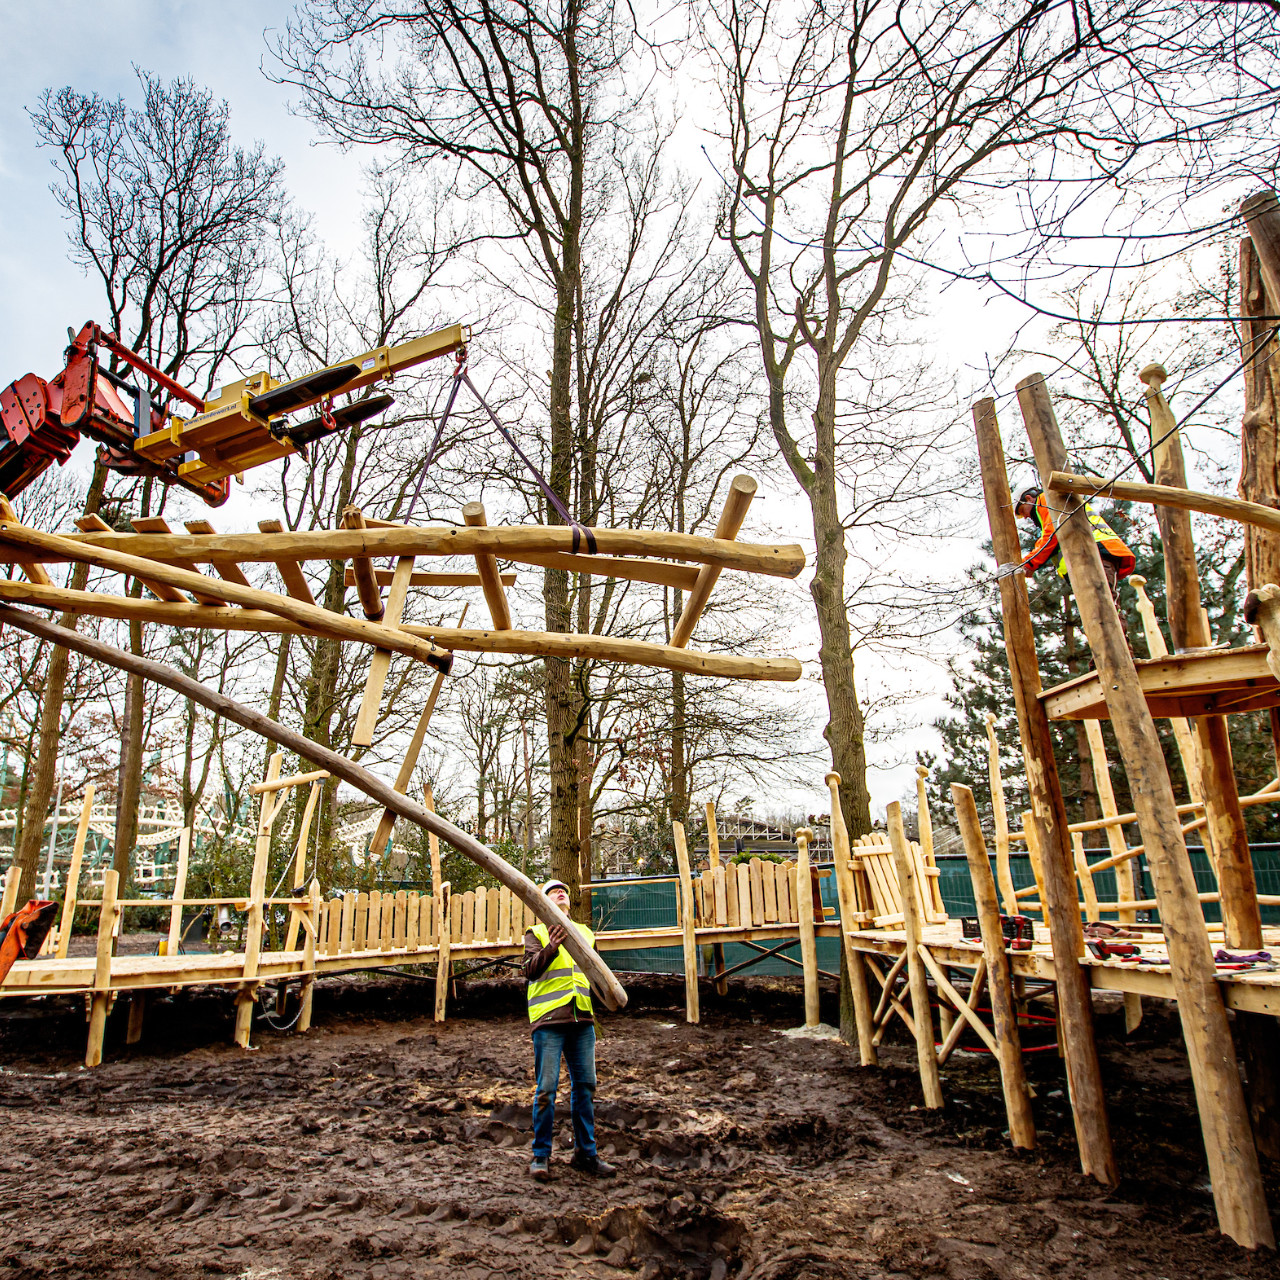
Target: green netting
652,904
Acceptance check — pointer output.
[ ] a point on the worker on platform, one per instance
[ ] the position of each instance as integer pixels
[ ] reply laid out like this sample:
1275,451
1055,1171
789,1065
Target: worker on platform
562,1025
1029,502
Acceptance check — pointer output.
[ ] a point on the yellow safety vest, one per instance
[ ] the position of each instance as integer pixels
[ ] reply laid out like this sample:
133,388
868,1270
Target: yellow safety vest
561,981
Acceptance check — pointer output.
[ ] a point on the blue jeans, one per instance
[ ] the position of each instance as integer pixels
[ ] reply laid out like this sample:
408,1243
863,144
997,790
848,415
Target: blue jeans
577,1042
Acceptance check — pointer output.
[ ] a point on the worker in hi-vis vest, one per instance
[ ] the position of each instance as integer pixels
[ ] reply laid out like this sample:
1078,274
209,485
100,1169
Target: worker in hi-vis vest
562,1024
1029,502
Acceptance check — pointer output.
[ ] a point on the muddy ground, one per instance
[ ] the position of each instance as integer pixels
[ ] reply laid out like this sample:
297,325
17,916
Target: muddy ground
385,1145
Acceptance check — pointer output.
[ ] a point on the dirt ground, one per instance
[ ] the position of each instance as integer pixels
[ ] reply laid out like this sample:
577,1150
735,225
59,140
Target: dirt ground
383,1145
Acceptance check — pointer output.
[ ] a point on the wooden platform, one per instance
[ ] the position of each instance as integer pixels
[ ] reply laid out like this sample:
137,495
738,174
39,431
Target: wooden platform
1257,991
1203,682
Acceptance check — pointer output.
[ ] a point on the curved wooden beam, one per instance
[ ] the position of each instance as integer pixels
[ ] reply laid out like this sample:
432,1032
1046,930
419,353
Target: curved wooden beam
506,542
638,653
309,616
602,980
1163,495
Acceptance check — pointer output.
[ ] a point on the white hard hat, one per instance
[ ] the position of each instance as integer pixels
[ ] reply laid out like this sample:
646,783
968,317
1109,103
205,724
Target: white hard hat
1023,483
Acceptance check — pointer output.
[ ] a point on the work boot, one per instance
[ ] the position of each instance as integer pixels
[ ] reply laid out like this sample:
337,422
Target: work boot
540,1169
592,1165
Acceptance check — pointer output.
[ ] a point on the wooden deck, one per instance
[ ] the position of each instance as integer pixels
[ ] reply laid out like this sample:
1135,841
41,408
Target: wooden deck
1203,682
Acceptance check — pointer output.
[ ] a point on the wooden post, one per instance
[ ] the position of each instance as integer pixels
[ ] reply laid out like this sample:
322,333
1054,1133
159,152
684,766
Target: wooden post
487,567
380,663
137,1013
917,977
309,956
932,890
804,914
257,890
842,853
687,926
713,855
300,860
443,965
741,491
72,891
1000,816
1017,1097
9,900
1187,625
100,1004
1233,1161
179,892
1084,1076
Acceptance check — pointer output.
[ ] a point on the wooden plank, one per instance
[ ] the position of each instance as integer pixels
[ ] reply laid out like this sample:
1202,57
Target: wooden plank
719,896
100,1004
411,919
743,877
443,912
300,856
707,897
350,914
692,1013
156,524
933,891
455,918
493,902
916,973
782,885
291,575
333,927
427,927
487,567
294,780
769,883
36,573
427,578
72,891
468,917
380,663
505,931
741,490
386,941
362,921
1085,876
267,810
757,892
662,573
1001,817
309,957
400,924
1233,1163
226,569
179,889
731,915
808,944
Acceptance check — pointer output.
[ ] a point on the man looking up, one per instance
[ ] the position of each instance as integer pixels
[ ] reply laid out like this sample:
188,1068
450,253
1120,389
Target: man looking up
562,1025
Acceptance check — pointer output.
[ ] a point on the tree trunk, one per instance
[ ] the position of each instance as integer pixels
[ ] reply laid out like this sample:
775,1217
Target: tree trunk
40,786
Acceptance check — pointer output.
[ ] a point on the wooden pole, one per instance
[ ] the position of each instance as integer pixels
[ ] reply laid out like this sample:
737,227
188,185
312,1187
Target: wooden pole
309,957
687,926
100,1002
602,978
300,856
443,964
917,976
924,820
72,891
257,891
179,892
713,857
1017,1097
741,491
380,663
1224,1118
1189,629
842,852
487,566
1084,1076
1000,816
804,915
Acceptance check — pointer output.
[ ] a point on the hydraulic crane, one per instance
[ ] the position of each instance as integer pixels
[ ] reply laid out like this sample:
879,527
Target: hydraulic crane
244,425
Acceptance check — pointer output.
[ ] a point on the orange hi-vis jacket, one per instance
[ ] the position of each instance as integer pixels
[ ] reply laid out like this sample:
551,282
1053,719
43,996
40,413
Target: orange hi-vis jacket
1103,535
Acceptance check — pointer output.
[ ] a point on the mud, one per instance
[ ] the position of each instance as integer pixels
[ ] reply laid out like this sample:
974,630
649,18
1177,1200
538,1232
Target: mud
383,1145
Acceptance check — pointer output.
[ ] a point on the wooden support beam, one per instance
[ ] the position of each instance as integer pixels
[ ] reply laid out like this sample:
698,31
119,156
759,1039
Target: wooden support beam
410,762
295,582
1233,1161
506,542
100,1002
157,524
661,573
1001,817
309,957
804,919
300,858
916,975
267,809
72,891
36,573
688,927
1075,1009
487,567
425,578
293,780
741,491
96,524
226,569
721,903
380,663
842,853
1013,1079
173,944
320,621
367,589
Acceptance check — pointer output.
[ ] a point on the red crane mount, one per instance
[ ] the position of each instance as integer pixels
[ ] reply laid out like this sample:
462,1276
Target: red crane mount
243,426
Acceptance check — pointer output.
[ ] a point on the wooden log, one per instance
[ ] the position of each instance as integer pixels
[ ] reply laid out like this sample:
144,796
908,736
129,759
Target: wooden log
294,780
309,958
300,860
424,578
1034,832
295,582
1001,818
842,853
71,893
1233,1161
976,988
174,941
100,1002
602,979
932,889
1085,877
443,966
487,567
741,491
808,942
1189,627
319,621
661,573
1126,887
156,524
688,932
504,541
1017,1097
267,810
36,573
1084,1076
713,835
367,589
410,762
917,978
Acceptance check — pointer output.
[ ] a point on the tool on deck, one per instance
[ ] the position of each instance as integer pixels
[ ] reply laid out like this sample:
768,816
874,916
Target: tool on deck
242,426
1018,930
